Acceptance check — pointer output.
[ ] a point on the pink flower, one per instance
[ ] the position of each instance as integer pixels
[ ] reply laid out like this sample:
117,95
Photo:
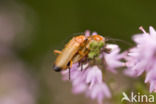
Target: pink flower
88,81
87,33
99,92
142,58
133,63
151,78
113,59
93,76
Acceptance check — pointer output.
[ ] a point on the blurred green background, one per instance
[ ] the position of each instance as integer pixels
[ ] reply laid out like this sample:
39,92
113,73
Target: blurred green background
54,22
57,19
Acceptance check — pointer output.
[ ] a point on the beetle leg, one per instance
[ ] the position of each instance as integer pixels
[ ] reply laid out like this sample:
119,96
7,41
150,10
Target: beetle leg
81,67
70,66
79,63
81,53
57,51
71,63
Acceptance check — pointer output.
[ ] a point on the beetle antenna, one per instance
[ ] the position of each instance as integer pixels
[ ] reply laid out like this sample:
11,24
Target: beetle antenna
119,40
70,36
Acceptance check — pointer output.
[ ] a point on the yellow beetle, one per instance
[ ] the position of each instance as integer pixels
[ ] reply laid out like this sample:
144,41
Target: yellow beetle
75,50
64,59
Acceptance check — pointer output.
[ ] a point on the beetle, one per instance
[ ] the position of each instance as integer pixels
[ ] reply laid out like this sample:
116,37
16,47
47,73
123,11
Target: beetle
86,48
75,50
64,59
